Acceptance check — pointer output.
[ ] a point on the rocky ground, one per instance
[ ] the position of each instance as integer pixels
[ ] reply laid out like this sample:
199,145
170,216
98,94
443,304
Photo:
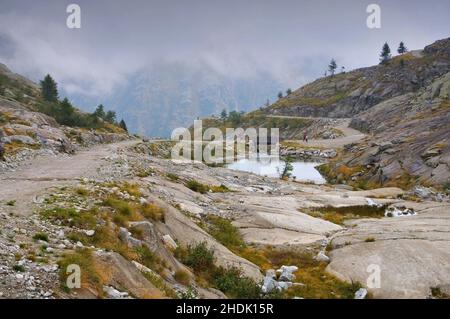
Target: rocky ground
403,108
267,213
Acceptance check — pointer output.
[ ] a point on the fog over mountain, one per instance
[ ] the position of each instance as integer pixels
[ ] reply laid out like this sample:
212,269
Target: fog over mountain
163,63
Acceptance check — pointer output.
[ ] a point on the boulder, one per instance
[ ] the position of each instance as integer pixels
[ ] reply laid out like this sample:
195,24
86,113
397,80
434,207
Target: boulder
113,293
322,257
24,139
125,236
169,242
269,285
361,293
287,273
120,272
384,146
148,233
271,273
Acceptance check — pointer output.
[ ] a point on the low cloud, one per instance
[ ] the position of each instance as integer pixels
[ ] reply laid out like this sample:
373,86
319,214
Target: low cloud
292,40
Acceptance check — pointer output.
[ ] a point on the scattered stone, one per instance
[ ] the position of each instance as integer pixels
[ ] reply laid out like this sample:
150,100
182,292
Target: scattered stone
372,203
322,257
90,232
113,293
269,285
286,273
169,242
271,273
361,293
393,211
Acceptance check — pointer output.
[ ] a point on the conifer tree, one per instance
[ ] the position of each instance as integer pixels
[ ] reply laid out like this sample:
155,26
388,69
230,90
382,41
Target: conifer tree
49,89
332,66
385,53
123,125
401,48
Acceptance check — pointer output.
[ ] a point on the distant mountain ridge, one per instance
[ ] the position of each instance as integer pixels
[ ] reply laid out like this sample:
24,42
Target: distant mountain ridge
169,95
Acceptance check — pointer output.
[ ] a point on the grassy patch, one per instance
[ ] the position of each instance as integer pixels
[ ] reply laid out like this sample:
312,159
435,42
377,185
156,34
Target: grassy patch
223,231
369,240
339,215
182,277
40,236
173,177
317,283
71,217
147,257
91,276
144,172
121,206
203,188
199,257
81,191
132,189
234,284
11,203
152,211
230,281
159,283
437,293
197,187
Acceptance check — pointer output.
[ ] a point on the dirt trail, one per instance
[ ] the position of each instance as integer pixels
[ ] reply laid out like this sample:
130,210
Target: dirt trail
35,177
350,135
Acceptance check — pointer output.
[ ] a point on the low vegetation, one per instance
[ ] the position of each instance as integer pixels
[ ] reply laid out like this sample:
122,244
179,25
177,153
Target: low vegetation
40,236
71,217
317,283
230,281
203,188
437,293
92,276
339,215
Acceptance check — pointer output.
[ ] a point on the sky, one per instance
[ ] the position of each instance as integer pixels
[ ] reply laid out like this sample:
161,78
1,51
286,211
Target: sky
291,39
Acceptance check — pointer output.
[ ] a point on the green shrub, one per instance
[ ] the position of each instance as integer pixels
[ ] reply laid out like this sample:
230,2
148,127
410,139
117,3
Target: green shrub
199,257
223,231
11,203
197,187
40,236
18,268
147,257
447,186
172,177
231,282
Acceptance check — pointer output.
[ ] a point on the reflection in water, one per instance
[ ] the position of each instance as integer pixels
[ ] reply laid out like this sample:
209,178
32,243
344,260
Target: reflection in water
269,166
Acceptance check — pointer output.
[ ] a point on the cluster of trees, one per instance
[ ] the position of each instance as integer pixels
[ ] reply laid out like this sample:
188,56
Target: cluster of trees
385,55
332,67
234,117
288,92
66,114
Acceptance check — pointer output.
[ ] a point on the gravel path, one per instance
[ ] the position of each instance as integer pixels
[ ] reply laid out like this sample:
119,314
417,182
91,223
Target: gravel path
33,178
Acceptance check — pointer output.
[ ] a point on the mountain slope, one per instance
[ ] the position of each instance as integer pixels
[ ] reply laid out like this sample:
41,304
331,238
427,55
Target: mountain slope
347,94
26,132
403,106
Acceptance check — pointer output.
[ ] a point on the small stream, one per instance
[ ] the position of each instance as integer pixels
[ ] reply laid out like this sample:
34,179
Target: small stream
270,167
